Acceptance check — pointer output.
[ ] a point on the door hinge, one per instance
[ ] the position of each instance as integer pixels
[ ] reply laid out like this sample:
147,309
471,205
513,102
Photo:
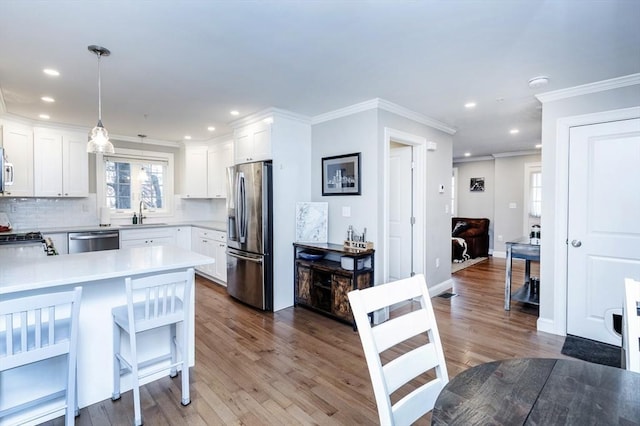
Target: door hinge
413,220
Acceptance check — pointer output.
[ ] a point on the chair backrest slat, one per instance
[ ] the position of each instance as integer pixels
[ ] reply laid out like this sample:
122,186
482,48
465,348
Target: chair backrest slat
163,296
411,333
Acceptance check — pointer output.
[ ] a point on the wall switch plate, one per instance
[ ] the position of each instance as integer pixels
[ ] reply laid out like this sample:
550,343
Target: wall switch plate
513,205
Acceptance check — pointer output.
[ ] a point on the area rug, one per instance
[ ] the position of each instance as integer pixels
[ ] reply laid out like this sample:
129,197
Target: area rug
455,267
592,351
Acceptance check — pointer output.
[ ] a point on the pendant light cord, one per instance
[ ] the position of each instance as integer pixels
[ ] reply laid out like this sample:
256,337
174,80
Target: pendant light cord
99,91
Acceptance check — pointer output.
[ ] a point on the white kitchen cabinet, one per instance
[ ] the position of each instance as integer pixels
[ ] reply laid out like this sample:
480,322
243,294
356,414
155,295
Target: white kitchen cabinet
219,157
213,244
60,242
17,141
195,172
61,164
183,237
147,236
252,143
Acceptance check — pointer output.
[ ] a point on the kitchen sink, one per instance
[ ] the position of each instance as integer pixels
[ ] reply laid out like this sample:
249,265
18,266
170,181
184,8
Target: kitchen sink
143,225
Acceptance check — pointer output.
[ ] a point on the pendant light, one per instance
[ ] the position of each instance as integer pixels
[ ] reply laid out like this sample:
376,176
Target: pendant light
143,177
98,136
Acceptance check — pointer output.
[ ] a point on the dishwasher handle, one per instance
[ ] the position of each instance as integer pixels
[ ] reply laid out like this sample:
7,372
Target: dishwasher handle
94,236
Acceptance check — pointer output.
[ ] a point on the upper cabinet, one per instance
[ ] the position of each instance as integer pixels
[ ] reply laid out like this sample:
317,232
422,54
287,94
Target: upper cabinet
205,170
17,141
252,142
219,158
61,164
195,172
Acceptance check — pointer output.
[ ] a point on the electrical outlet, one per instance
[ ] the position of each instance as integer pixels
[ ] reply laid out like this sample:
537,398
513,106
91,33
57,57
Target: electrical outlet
499,237
346,211
437,262
14,208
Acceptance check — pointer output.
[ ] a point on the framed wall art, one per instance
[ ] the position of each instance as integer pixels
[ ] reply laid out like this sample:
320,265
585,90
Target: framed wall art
476,184
341,175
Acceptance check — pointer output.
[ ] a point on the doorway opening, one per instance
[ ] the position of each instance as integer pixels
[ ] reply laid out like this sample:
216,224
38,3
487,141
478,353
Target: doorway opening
404,211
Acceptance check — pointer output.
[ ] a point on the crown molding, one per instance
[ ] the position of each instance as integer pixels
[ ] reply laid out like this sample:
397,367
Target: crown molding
516,153
471,159
498,155
267,113
378,103
39,124
585,89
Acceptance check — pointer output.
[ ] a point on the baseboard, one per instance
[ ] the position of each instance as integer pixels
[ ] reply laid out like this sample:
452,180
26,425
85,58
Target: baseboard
548,326
440,288
500,254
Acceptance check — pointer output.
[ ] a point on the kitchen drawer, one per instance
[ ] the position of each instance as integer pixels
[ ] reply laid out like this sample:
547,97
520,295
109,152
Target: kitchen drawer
210,234
137,234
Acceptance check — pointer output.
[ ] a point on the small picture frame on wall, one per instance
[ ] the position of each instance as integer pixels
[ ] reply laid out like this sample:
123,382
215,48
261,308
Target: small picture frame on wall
341,175
476,184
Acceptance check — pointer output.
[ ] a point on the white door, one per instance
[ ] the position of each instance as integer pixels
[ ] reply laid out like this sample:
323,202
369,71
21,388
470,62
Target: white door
604,231
400,212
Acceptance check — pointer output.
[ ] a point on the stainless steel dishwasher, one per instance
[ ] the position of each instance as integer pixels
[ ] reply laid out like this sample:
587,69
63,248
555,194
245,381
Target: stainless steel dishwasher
80,242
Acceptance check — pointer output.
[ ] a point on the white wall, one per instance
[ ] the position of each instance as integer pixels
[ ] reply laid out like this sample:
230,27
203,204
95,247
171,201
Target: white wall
554,181
509,191
364,132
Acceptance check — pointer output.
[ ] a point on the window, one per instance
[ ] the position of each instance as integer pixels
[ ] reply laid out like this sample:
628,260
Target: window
535,194
130,177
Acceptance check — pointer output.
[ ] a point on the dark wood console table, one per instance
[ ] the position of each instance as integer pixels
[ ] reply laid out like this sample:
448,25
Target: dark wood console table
539,391
520,249
322,285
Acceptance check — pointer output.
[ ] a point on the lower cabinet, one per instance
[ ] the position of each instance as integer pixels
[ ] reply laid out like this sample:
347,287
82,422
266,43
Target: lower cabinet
213,244
147,236
322,284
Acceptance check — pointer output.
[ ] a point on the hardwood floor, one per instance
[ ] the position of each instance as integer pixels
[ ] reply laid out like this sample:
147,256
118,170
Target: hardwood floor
298,367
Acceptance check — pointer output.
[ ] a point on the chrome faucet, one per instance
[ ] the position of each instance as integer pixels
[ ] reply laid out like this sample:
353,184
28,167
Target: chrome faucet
140,217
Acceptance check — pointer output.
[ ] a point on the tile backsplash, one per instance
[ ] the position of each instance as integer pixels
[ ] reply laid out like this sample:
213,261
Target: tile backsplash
28,214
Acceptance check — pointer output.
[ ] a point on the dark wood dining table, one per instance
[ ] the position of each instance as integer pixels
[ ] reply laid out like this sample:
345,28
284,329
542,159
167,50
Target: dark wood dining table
540,391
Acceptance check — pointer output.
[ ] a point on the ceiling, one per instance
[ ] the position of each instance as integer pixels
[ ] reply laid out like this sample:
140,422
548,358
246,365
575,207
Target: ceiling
177,67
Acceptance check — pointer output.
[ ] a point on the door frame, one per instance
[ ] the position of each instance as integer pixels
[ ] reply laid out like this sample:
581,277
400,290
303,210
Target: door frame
419,144
561,207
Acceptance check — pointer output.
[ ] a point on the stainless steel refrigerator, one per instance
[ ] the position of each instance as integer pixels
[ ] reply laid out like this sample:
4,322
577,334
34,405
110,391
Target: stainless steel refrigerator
249,234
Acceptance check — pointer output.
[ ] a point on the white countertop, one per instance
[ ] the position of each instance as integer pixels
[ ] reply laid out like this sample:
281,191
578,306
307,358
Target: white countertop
23,274
208,224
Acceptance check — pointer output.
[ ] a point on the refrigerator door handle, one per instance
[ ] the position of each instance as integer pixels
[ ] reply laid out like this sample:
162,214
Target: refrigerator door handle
242,209
250,259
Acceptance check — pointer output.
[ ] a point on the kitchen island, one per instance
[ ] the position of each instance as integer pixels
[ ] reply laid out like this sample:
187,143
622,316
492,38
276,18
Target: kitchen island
102,275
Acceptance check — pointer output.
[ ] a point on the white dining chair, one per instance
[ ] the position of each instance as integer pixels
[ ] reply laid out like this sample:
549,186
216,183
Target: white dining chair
413,360
34,329
155,301
631,334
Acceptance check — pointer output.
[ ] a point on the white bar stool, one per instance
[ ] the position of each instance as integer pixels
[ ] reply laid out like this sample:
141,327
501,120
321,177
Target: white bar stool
37,328
153,302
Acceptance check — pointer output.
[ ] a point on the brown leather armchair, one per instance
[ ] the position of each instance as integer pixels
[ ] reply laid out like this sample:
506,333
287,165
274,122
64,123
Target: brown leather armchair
475,233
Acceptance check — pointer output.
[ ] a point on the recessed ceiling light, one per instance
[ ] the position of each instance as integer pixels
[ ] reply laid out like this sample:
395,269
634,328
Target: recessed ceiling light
514,131
539,81
538,146
44,116
467,154
187,137
51,72
470,105
234,112
211,128
47,99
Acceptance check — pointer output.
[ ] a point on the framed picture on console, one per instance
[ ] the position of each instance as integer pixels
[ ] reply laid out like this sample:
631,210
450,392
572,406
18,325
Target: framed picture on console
341,175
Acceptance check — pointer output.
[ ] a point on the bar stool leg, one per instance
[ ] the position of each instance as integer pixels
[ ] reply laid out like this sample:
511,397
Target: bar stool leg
172,344
116,363
186,397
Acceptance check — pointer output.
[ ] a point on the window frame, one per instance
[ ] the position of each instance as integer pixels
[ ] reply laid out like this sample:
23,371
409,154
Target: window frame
135,154
528,220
